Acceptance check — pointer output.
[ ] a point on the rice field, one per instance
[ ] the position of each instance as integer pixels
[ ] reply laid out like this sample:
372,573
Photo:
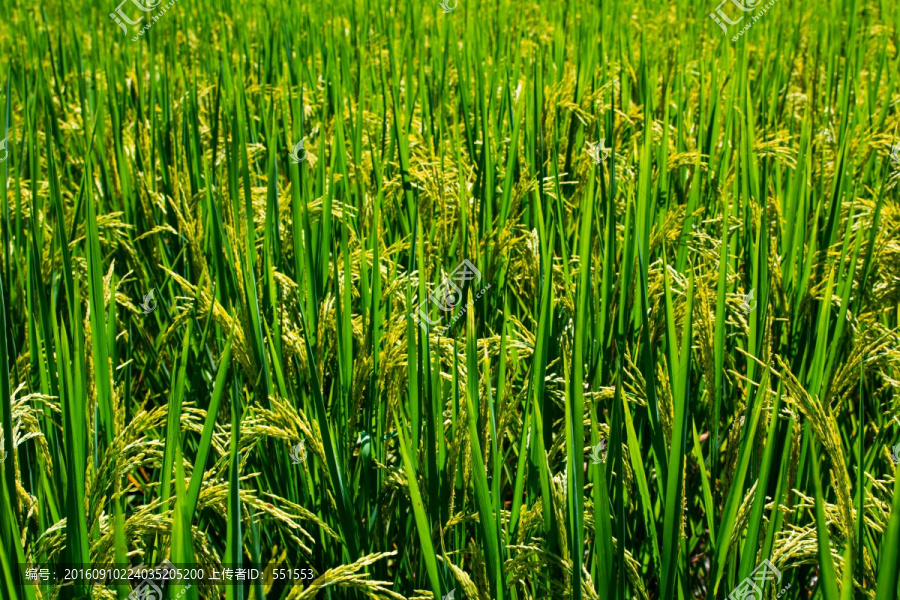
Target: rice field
450,300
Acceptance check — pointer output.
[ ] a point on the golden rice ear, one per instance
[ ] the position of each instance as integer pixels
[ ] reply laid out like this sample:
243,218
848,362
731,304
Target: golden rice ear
350,577
823,423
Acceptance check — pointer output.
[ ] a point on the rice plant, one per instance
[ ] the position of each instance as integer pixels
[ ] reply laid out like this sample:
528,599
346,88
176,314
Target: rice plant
486,300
